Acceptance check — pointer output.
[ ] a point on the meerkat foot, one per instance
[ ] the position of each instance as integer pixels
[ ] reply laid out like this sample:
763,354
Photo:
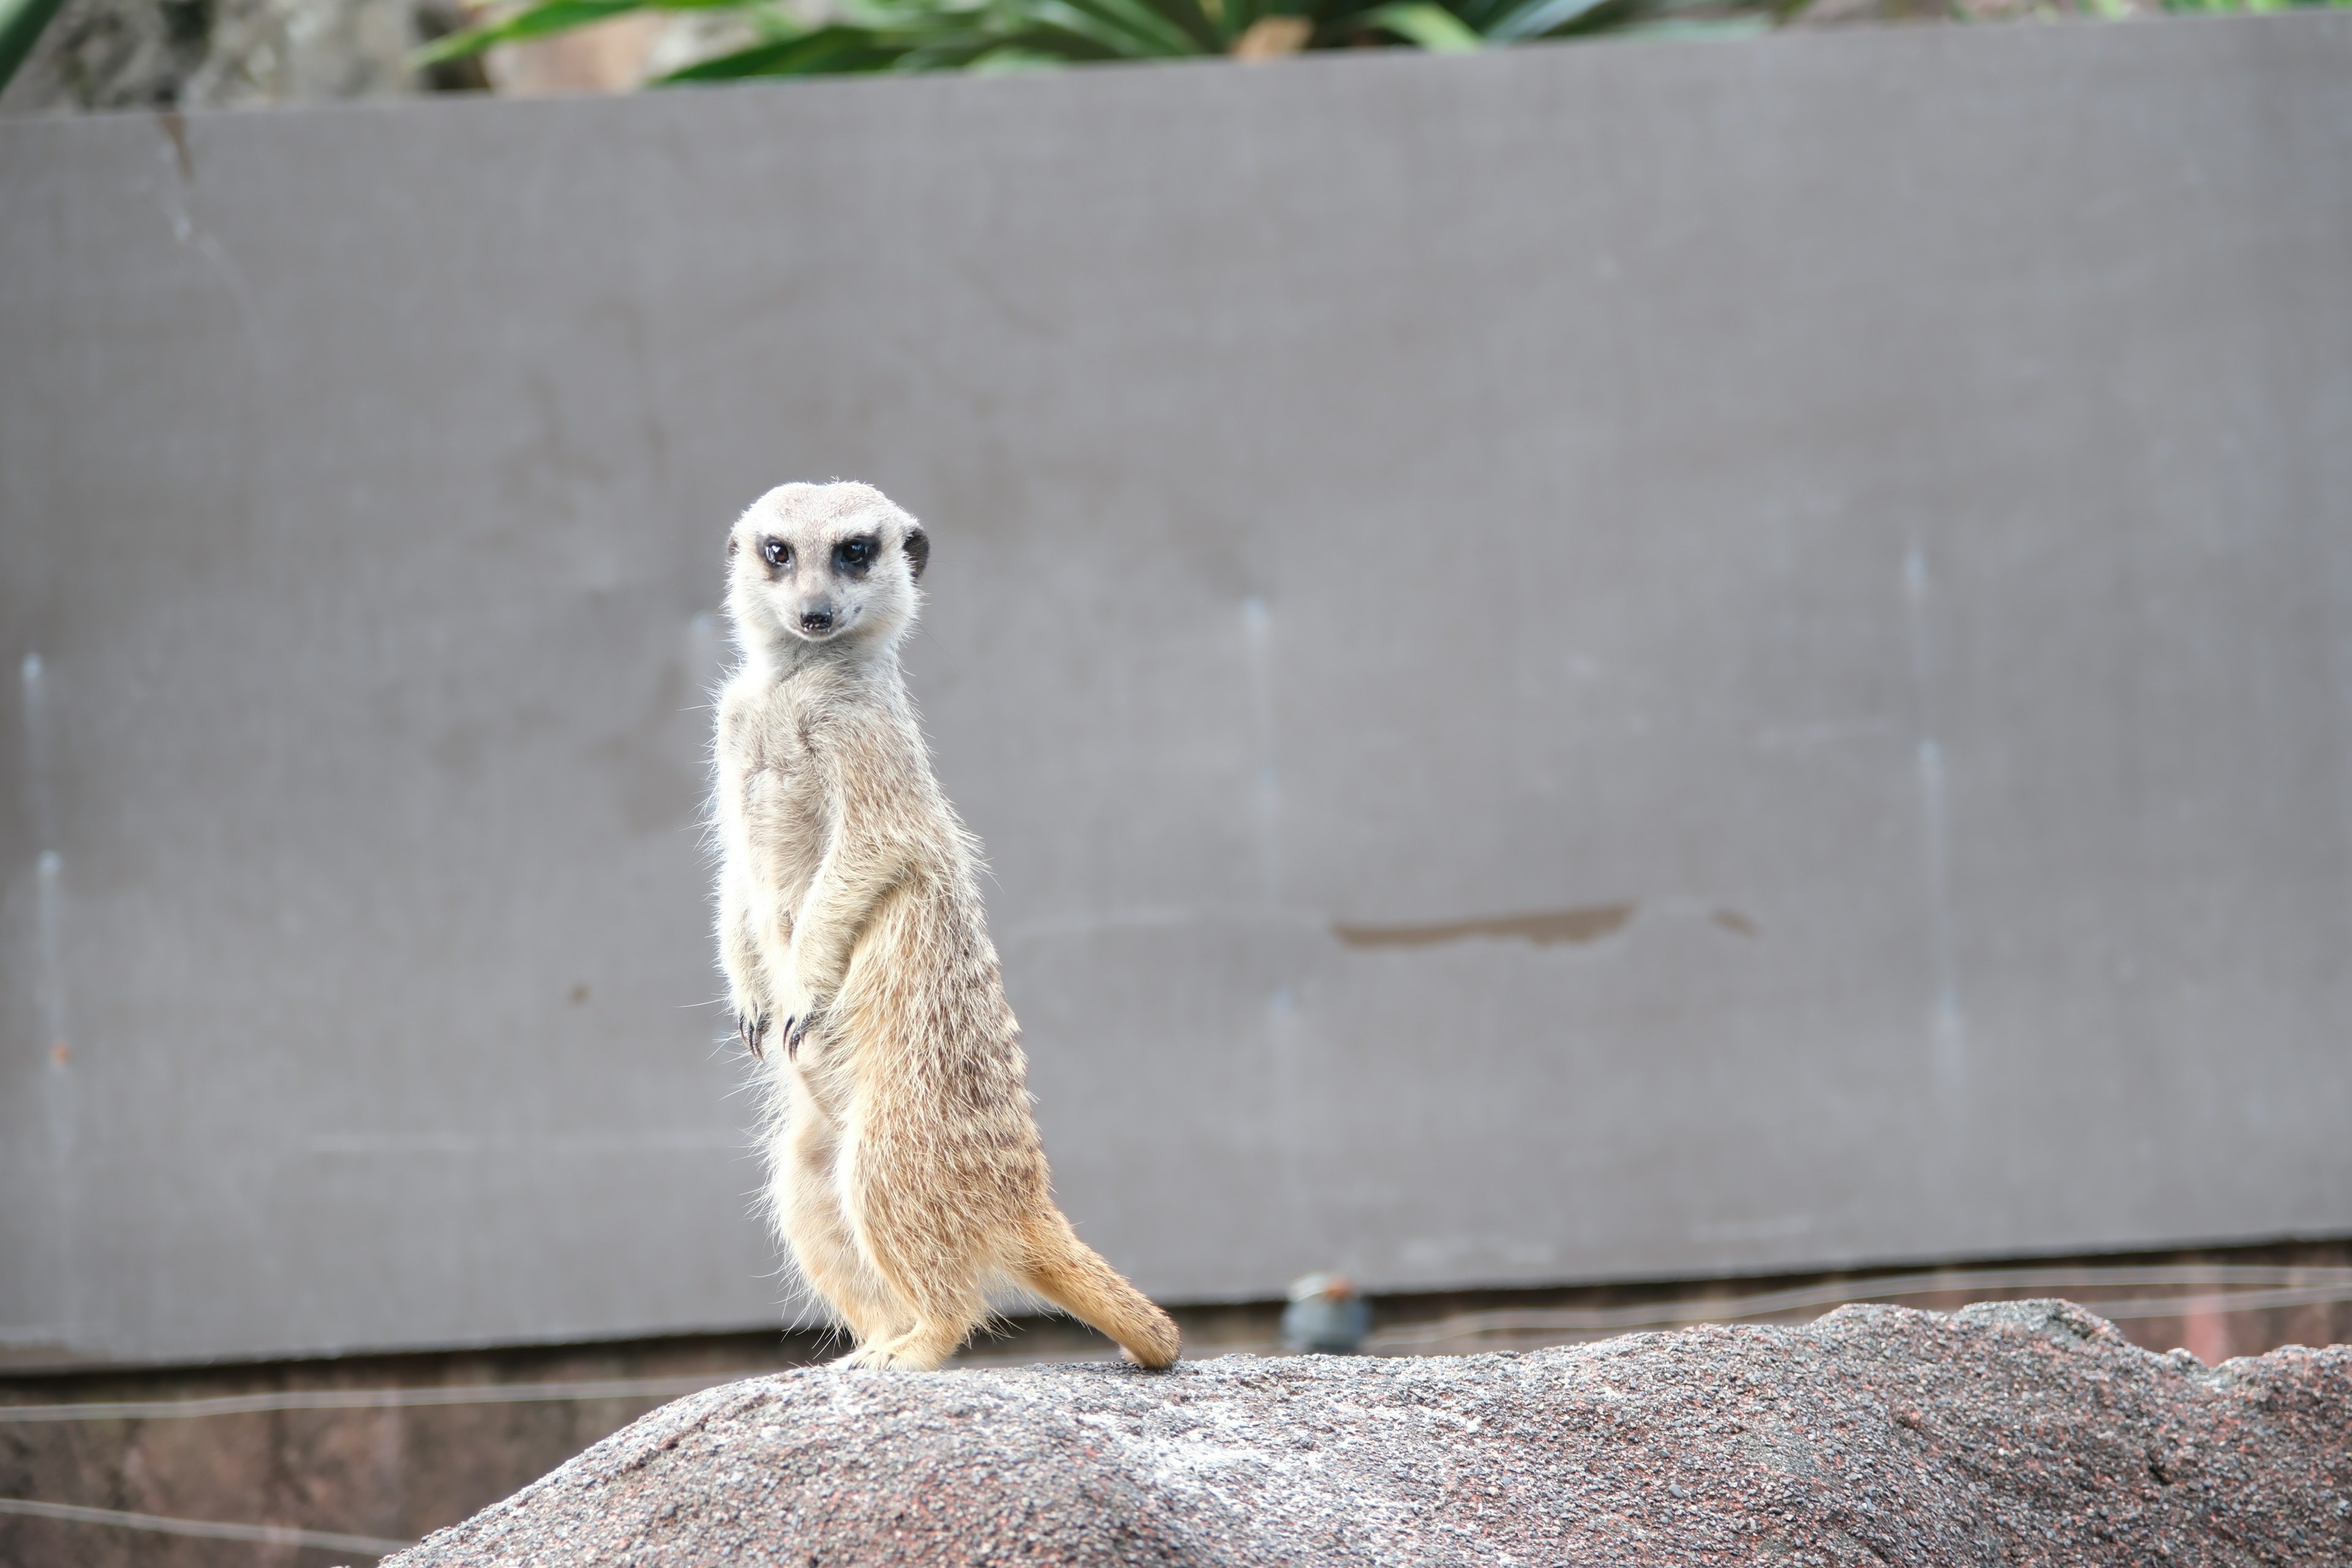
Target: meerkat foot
882,1358
918,1350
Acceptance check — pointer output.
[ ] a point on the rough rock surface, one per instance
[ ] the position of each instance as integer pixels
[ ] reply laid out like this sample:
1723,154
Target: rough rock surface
2011,1434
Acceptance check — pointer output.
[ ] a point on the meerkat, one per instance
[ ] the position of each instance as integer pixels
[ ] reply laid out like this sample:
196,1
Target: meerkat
905,1175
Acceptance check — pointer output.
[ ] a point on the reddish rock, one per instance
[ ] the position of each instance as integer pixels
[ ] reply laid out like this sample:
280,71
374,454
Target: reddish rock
2012,1433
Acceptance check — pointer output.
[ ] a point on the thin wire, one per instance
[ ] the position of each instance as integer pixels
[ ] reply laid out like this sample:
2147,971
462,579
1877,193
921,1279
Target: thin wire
377,1398
1447,1330
2293,1288
1736,1309
206,1528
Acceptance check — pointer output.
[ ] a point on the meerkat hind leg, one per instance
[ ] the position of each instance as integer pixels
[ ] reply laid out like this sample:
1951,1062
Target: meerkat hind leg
944,1306
808,1213
829,1261
939,1296
940,1331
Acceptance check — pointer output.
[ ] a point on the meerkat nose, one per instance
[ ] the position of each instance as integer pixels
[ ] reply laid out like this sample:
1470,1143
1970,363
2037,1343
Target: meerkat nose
817,620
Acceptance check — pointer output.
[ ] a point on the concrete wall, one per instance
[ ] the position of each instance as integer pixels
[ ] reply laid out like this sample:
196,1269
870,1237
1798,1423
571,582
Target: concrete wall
1597,662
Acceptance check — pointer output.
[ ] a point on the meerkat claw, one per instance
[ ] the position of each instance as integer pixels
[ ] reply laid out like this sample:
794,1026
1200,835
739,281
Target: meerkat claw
796,1030
752,1032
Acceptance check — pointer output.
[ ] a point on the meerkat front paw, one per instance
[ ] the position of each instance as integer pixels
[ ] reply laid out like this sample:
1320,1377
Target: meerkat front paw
752,1032
796,1028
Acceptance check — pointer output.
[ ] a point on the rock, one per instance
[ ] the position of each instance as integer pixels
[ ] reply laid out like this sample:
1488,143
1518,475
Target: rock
2016,1433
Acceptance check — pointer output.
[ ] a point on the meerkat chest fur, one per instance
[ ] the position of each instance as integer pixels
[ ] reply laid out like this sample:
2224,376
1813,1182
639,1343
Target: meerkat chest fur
773,808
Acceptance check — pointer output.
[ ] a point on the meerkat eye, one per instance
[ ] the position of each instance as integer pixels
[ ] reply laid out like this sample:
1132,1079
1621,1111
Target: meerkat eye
779,553
853,555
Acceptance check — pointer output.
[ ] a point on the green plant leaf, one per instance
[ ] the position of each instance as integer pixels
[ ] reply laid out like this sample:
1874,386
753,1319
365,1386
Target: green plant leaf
541,21
1696,28
833,50
1537,17
22,22
997,36
1145,32
1427,24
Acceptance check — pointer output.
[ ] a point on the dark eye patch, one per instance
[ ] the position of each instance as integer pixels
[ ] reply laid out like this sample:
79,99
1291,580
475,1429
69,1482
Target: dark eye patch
777,553
855,557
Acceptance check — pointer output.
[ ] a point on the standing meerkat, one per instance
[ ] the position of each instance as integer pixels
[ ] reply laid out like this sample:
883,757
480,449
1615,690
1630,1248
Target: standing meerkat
904,1171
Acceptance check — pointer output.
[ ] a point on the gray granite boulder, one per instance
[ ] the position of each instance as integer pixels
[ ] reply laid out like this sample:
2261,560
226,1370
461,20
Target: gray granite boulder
2015,1433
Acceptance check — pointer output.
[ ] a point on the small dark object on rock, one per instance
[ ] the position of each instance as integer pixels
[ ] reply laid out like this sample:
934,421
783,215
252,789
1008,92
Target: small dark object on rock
2027,1433
1324,1317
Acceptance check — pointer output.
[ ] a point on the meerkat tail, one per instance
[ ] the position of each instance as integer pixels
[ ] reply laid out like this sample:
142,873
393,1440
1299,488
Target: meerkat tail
1074,1277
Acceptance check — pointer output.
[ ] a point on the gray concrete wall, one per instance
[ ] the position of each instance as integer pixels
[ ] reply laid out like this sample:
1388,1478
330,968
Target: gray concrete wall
1611,661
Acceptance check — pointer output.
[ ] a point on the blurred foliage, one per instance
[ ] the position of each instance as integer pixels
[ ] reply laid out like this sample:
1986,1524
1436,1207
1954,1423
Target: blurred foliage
21,22
854,36
1015,35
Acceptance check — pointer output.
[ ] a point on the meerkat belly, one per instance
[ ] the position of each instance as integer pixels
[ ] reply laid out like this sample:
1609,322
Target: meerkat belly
923,1007
773,813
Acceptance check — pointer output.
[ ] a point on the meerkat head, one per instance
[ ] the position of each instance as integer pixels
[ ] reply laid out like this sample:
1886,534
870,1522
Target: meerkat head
812,566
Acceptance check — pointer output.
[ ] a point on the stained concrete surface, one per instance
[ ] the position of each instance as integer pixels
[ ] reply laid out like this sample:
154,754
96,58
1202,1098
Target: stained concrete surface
1865,511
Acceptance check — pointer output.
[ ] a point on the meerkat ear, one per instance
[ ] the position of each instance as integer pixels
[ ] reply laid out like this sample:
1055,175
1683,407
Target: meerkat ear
918,552
733,544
